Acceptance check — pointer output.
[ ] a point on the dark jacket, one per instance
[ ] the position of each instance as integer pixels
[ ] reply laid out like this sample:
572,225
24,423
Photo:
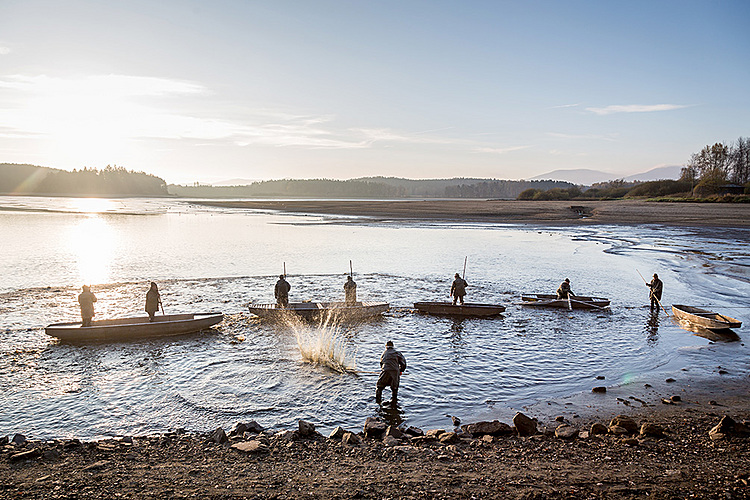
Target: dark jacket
282,288
392,360
152,301
458,288
86,300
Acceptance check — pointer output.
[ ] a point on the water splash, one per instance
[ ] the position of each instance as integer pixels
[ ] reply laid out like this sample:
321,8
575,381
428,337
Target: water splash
321,343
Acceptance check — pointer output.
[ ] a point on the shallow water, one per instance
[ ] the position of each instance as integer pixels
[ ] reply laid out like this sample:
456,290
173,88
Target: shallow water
217,259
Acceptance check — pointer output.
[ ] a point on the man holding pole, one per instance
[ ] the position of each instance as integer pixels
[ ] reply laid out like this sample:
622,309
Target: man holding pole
281,292
656,287
458,289
350,291
392,365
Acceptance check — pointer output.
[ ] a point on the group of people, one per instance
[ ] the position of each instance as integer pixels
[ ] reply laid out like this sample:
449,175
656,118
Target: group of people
281,291
656,286
86,301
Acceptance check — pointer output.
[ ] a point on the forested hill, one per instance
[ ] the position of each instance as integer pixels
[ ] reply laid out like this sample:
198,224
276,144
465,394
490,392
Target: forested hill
371,187
110,181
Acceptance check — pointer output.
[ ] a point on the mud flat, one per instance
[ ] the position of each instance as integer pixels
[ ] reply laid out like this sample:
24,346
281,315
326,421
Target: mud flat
511,211
672,441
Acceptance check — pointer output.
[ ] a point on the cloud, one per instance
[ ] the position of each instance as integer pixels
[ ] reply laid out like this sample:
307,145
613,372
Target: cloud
635,108
499,150
566,106
4,50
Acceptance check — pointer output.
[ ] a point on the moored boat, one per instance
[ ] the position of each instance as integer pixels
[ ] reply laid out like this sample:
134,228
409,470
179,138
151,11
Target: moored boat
134,328
575,302
467,309
315,310
702,317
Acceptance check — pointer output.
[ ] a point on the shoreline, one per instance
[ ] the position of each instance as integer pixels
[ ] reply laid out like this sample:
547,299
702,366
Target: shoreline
574,213
673,455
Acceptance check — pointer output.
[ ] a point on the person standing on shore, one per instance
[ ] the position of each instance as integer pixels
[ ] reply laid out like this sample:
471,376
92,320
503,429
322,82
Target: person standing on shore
564,291
350,291
392,365
86,300
458,289
153,301
281,292
656,287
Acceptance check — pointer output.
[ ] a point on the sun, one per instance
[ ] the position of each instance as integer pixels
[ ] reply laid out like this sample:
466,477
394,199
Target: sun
92,243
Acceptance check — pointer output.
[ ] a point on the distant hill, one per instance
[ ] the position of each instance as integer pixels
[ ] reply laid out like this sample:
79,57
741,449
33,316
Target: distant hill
587,177
111,181
371,187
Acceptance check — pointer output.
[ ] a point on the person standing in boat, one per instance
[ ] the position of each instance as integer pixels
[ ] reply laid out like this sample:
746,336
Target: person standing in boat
564,291
656,287
350,291
86,300
281,292
458,289
392,365
153,301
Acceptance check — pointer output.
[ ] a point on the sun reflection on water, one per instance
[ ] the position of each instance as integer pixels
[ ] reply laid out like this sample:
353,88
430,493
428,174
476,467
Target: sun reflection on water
92,242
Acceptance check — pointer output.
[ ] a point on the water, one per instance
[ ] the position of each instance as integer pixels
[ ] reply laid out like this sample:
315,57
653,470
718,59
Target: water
207,259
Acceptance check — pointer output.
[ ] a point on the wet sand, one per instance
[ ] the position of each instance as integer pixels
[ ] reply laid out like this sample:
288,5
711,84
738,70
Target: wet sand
517,212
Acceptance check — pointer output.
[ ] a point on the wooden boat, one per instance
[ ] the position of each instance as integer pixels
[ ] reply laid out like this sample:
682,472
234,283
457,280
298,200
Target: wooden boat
576,302
468,309
134,328
316,310
701,317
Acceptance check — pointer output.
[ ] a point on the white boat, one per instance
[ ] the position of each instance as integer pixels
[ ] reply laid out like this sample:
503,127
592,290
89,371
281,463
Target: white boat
134,328
315,310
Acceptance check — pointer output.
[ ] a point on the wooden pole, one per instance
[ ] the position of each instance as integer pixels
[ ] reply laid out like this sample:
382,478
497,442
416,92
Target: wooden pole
284,269
465,259
351,269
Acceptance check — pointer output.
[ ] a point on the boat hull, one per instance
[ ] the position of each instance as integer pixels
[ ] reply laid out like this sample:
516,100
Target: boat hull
704,318
134,328
576,302
318,310
468,309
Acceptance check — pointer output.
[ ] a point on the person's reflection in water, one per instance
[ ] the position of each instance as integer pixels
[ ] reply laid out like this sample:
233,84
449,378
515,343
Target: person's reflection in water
391,415
652,326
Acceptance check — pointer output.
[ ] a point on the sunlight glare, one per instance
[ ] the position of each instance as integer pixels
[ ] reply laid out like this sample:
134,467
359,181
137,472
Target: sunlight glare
92,242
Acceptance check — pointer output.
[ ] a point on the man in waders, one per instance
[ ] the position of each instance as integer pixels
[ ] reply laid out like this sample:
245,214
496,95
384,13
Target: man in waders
458,289
392,365
656,287
281,292
350,291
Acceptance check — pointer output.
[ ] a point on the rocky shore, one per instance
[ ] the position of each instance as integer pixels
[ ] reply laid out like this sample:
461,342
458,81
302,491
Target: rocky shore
680,446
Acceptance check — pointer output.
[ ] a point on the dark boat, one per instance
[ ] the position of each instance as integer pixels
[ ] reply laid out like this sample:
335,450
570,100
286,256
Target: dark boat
706,319
468,309
315,310
576,302
134,328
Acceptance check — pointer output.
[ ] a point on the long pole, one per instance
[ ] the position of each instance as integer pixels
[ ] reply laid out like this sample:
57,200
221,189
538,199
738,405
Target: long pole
351,269
465,259
657,298
285,269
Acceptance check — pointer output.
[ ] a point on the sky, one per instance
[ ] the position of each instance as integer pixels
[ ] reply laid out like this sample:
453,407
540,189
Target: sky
196,91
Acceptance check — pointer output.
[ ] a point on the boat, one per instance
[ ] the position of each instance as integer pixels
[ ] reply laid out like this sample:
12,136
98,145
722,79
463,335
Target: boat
467,309
317,310
134,328
706,319
576,301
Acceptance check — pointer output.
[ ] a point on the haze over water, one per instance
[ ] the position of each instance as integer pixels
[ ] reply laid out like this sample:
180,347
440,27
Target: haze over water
207,259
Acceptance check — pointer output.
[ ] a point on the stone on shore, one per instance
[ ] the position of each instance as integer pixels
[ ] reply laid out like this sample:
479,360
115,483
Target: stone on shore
598,428
253,446
651,430
18,440
374,427
414,431
391,441
242,427
448,438
26,455
394,431
337,433
525,426
565,431
434,433
494,428
625,422
351,439
599,390
306,429
218,436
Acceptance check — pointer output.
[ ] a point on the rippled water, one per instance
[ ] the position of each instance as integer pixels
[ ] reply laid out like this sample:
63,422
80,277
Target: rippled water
213,259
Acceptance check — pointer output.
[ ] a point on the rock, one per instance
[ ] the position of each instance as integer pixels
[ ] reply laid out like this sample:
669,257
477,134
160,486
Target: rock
406,449
723,429
599,390
250,447
494,428
287,435
101,464
391,441
351,439
18,440
524,425
456,421
26,455
670,380
218,436
4,440
394,431
306,429
414,431
51,454
565,431
626,422
559,418
487,438
667,401
600,377
742,428
337,433
242,427
675,399
647,386
616,430
448,438
598,428
630,441
651,430
434,433
374,427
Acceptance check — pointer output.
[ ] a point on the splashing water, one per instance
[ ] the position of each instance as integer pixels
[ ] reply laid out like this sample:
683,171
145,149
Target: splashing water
322,344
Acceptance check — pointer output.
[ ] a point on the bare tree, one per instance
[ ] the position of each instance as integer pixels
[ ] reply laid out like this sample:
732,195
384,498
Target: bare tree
739,161
711,163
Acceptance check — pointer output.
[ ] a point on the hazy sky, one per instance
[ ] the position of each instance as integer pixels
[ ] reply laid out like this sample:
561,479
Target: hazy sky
207,91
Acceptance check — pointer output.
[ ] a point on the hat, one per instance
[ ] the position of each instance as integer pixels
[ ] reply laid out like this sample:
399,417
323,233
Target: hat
458,275
656,275
281,276
566,279
389,343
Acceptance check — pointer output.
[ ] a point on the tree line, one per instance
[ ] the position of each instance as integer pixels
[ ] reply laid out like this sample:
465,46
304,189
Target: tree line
109,181
719,164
